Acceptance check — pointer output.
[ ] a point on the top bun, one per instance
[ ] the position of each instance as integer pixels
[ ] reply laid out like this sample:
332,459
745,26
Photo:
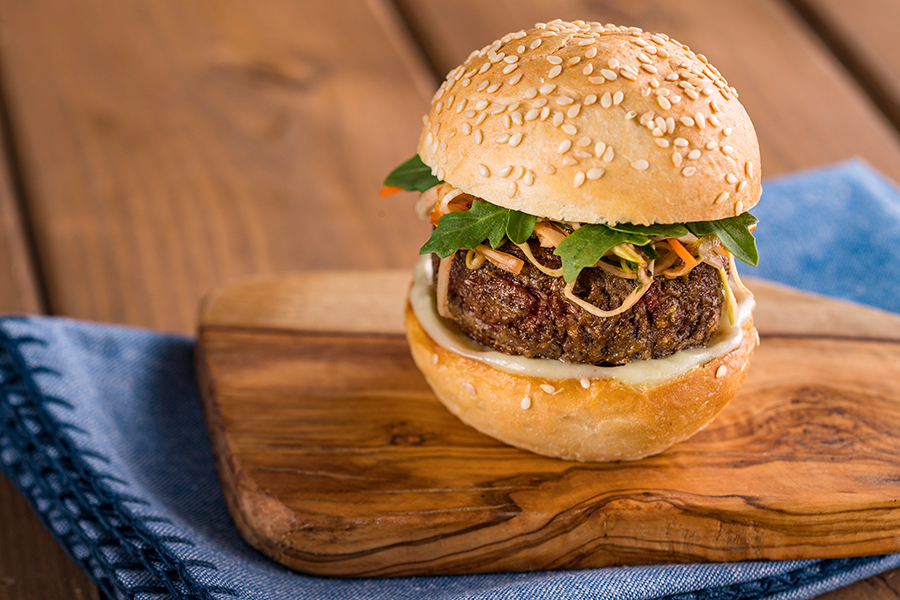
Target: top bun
594,123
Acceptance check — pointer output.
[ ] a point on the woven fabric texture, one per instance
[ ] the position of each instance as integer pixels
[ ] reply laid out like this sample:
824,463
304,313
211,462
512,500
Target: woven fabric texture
101,430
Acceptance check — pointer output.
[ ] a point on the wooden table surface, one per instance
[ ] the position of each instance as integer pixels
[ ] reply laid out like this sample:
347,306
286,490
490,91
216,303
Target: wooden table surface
152,150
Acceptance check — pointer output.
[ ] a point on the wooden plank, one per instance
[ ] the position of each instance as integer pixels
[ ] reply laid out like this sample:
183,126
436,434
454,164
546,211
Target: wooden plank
806,109
336,429
863,35
173,145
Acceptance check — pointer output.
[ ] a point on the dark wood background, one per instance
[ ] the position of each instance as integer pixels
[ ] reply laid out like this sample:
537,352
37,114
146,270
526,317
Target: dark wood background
154,149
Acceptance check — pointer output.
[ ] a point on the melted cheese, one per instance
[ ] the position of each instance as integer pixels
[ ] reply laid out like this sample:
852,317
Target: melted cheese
639,373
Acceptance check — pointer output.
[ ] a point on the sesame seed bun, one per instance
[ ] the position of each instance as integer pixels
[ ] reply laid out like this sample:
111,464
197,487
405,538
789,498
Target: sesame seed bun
608,420
594,123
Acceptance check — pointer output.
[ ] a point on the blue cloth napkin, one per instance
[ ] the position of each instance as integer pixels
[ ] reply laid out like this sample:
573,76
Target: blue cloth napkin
101,430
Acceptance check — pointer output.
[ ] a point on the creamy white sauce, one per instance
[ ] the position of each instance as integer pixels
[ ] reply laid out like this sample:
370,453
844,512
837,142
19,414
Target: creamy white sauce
638,373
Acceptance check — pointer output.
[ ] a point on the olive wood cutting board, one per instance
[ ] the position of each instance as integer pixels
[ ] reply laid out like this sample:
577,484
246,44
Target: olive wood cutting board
336,459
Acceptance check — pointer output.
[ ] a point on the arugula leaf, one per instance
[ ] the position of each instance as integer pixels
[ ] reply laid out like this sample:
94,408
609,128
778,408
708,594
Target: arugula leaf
413,175
484,221
734,233
519,226
587,244
674,230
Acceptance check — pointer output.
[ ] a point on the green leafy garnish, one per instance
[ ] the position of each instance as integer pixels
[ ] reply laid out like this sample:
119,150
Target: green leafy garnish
672,231
484,221
413,175
734,233
587,244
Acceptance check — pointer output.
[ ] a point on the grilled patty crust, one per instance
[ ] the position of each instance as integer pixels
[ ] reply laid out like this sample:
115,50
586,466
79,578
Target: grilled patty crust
528,315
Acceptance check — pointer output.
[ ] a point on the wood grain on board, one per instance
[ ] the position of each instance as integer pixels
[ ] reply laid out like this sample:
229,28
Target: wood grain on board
171,146
806,109
336,459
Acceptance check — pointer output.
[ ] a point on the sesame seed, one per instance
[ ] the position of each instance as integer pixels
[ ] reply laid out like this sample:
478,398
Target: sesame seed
511,189
701,120
606,100
547,88
712,145
498,109
590,99
662,53
484,83
481,118
691,94
748,169
526,403
608,155
640,42
494,87
545,112
738,207
439,107
481,104
591,53
554,60
532,114
707,91
547,388
727,131
714,120
649,68
722,197
661,142
564,100
721,371
680,142
583,154
509,69
516,118
617,98
564,146
466,128
727,150
608,74
465,82
511,59
570,129
640,164
657,132
530,93
569,161
579,179
599,147
558,118
520,49
502,138
742,186
469,387
675,99
688,171
595,173
585,383
628,75
730,178
630,115
516,138
554,71
535,43
585,141
676,159
507,120
643,58
505,171
484,68
483,170
657,39
518,171
515,79
573,61
693,154
479,136
460,105
647,117
663,102
573,111
687,121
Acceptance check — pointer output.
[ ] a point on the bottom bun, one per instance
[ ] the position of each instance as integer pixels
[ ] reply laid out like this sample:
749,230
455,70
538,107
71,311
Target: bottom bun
606,421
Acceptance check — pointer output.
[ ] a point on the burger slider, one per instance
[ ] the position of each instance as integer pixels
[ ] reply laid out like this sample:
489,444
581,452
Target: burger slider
588,185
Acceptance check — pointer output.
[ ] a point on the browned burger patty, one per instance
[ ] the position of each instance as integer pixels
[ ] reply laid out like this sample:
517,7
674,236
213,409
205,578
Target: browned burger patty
527,314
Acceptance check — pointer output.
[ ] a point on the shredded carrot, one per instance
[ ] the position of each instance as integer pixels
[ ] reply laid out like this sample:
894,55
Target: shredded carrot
501,260
389,190
548,234
682,253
